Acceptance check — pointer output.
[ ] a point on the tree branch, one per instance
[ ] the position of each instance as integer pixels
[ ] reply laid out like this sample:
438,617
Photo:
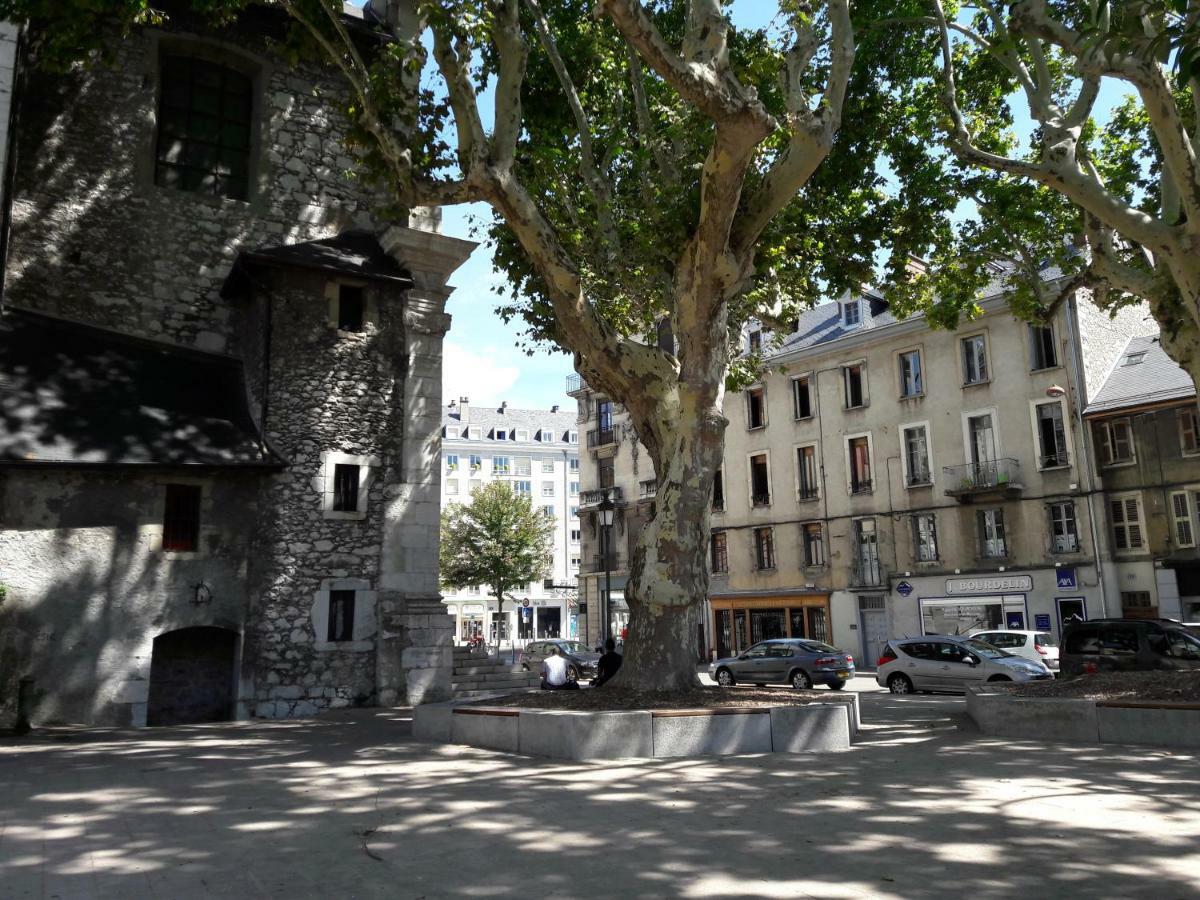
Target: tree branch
650,140
453,62
512,53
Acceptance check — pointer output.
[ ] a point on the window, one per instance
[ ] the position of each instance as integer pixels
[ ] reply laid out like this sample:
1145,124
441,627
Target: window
755,341
345,488
852,380
993,542
756,410
1126,513
851,313
523,465
925,548
573,488
720,553
1115,441
1042,352
801,398
351,308
718,496
181,518
806,472
917,470
575,534
1134,359
523,488
522,434
974,350
475,433
476,462
1189,432
764,548
814,545
572,437
204,123
574,512
573,466
911,384
548,467
574,562
341,616
501,434
760,481
1051,435
1181,519
548,512
1064,532
547,488
475,484
452,432
859,452
452,486
604,413
451,462
501,465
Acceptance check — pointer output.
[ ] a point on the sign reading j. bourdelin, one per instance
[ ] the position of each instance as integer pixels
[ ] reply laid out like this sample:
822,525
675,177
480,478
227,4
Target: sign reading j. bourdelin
989,584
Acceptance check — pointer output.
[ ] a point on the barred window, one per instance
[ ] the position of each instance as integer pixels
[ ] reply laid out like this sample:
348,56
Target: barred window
345,488
720,553
204,119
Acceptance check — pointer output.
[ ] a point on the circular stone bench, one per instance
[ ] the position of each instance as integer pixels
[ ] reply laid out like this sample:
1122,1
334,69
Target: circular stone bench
1144,722
576,734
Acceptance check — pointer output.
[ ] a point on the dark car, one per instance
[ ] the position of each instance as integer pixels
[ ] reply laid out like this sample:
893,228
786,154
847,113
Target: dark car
581,659
1128,645
795,661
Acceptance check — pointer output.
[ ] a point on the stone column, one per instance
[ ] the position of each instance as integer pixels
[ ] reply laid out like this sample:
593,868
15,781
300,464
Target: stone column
414,659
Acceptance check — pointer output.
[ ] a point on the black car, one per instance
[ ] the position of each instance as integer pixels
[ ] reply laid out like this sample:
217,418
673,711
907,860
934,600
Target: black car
581,660
1128,645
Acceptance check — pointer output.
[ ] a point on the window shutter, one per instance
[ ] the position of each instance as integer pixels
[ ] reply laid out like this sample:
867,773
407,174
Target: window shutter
1133,524
1182,513
1187,427
1106,453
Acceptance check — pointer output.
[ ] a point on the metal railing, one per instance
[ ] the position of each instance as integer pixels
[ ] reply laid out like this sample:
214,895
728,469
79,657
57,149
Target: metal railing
647,490
861,486
866,573
760,499
1054,461
594,498
600,437
808,493
981,476
919,479
575,383
612,562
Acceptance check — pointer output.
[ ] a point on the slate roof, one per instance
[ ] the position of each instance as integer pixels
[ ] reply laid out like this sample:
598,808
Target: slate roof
491,418
354,253
823,323
76,395
1155,379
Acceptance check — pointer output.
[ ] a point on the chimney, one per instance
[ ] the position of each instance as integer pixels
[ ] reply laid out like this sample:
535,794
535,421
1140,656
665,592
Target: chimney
916,265
503,406
554,408
464,410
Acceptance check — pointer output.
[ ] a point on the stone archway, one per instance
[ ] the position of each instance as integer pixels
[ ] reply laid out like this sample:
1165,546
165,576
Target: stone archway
192,676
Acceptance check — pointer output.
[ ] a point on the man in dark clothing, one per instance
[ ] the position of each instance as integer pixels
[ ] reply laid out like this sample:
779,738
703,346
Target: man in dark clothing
608,664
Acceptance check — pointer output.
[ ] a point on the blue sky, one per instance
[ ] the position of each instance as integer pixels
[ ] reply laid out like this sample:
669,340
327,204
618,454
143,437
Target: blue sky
481,357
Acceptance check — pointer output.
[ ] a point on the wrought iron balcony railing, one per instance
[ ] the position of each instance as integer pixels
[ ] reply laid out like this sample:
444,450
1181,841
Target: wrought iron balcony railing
983,477
600,437
575,383
589,499
611,562
866,573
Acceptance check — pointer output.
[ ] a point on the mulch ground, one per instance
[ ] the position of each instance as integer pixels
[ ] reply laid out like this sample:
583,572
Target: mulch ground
695,698
1180,687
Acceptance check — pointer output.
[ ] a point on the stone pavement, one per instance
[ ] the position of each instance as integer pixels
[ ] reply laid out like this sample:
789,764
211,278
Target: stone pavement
348,806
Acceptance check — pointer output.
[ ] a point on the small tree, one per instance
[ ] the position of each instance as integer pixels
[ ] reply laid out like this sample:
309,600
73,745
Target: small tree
497,541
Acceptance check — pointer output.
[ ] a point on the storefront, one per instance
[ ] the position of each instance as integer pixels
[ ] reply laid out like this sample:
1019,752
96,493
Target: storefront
468,620
741,620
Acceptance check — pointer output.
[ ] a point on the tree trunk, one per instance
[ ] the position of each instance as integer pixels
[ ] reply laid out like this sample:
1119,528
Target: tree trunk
668,573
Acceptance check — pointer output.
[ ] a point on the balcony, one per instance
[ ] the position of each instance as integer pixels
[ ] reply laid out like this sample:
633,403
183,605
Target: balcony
860,486
867,573
600,563
760,500
575,383
999,477
592,499
601,437
647,490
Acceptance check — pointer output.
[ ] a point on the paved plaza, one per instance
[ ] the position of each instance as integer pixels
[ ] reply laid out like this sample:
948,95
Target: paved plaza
349,806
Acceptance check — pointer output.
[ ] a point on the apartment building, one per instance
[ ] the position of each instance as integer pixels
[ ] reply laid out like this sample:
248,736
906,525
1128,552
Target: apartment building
1146,433
886,479
536,452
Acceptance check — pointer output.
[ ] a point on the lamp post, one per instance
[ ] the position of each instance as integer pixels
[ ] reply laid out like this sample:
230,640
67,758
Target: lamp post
606,520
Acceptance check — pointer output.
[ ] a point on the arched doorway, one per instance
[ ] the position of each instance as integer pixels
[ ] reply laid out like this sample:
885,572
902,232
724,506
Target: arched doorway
192,676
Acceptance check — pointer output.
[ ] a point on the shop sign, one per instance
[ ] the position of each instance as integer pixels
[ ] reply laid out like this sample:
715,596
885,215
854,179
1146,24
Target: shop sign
1041,621
472,609
1066,579
997,584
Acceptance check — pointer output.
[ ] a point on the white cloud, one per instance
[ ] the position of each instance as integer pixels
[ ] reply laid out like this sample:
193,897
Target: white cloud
480,375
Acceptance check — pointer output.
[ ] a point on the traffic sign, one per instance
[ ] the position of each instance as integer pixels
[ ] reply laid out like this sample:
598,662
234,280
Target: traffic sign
904,589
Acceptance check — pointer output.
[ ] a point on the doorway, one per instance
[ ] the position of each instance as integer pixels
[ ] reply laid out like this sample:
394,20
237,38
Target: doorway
549,622
872,623
192,676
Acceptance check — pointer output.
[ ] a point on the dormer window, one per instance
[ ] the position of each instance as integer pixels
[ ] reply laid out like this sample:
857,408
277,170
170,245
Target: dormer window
452,432
852,313
475,433
522,434
1134,359
501,434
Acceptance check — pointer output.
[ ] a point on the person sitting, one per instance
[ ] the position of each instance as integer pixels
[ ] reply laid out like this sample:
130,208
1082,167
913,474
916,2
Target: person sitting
608,664
554,673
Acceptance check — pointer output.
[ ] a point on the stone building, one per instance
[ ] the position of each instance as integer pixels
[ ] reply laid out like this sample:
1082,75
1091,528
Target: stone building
1146,434
535,452
220,397
886,479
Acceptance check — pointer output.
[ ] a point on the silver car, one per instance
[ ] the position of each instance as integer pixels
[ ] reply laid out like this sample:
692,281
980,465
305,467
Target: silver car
949,663
795,661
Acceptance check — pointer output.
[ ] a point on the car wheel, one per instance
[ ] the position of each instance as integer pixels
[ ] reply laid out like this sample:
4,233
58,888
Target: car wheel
837,685
572,673
800,680
724,678
899,684
999,678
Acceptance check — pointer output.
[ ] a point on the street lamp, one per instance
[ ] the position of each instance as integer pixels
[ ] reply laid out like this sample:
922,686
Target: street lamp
606,520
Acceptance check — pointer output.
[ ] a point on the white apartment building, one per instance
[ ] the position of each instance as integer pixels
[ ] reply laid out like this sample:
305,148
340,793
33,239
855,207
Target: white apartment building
536,452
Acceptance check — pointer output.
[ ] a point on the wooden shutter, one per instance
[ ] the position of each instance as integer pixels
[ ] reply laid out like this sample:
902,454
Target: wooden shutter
1181,513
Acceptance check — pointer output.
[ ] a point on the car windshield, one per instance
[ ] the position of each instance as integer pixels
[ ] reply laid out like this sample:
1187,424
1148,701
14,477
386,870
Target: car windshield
1045,639
817,647
573,647
987,651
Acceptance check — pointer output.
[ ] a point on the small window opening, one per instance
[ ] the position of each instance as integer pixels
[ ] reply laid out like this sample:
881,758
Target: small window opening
345,488
350,308
341,615
181,518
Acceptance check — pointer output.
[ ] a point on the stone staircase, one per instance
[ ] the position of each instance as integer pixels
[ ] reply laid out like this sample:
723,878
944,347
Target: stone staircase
476,674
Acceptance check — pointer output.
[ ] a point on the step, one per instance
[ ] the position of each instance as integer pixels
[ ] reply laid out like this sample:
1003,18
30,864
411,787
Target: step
472,684
493,669
467,695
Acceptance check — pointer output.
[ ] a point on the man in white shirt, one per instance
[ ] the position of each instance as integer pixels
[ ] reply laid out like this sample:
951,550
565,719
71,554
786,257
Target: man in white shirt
554,672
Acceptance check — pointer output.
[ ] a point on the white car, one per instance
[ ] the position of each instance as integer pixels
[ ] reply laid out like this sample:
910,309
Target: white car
939,662
1040,646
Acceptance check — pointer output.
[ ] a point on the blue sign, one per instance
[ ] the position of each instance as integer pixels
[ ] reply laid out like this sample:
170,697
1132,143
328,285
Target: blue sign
904,589
526,612
1015,620
1041,621
1066,579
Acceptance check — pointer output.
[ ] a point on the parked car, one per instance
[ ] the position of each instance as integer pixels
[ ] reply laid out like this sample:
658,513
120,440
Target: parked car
1040,646
950,663
1128,645
795,661
581,659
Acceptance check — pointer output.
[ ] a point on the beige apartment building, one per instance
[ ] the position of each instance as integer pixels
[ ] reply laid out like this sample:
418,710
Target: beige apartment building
886,479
